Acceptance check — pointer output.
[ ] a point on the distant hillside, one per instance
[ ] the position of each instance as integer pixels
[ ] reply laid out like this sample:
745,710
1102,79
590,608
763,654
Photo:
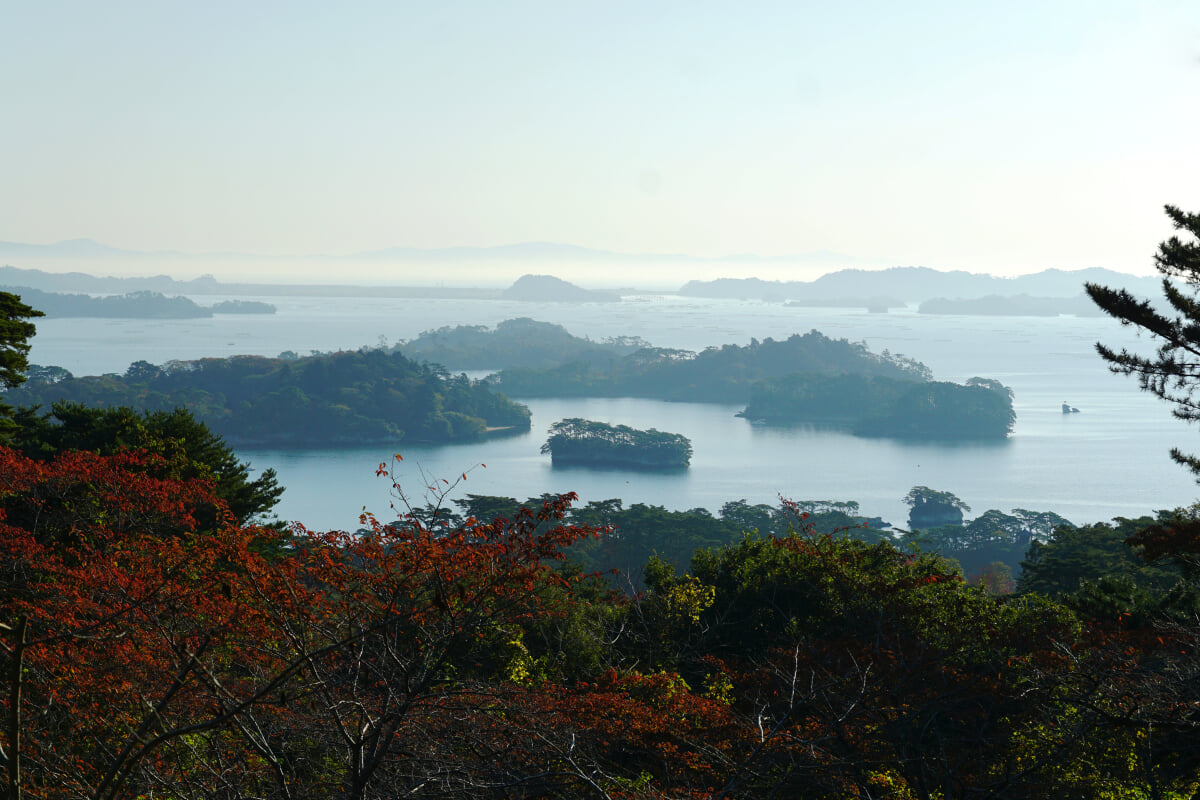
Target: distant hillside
916,284
547,288
848,287
520,342
92,284
143,304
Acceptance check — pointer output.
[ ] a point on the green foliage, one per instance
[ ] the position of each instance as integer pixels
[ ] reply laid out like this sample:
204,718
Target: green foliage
582,441
992,543
15,333
770,589
642,534
327,400
1075,557
865,654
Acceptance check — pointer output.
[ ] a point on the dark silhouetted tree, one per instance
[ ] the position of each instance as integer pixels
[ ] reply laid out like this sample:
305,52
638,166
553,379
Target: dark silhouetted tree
1173,371
15,332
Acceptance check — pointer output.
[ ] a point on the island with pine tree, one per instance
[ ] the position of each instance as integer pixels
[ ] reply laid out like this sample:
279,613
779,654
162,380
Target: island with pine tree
582,442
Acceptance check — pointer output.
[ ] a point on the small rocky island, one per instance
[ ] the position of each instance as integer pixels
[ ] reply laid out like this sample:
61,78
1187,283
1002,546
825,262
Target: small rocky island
582,442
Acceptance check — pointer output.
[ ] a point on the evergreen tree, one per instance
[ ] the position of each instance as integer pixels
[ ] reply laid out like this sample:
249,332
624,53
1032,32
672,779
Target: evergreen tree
1173,372
15,332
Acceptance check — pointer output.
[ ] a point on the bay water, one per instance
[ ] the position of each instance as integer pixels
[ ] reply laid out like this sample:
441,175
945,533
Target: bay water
1108,460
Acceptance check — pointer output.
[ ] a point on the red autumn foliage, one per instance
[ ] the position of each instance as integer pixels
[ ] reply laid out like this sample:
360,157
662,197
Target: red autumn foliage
117,607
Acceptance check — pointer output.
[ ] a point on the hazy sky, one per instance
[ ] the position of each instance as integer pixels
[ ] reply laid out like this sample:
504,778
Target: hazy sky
998,136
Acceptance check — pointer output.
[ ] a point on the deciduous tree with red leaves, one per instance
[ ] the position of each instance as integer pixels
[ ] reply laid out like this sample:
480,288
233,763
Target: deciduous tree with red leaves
119,613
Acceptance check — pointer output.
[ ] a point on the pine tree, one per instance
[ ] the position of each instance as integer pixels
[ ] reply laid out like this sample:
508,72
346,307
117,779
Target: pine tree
15,332
1173,372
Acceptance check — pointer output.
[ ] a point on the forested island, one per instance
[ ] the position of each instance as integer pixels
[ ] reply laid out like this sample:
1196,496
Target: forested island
366,396
886,407
143,304
809,378
582,442
521,342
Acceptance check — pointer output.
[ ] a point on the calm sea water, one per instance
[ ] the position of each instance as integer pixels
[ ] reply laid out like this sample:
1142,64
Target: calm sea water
1109,460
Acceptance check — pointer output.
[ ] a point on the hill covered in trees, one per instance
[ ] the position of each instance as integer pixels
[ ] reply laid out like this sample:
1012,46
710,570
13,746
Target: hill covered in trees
521,342
356,397
715,375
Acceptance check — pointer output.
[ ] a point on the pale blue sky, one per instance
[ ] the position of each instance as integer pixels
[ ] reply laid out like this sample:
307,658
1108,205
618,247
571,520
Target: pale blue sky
1006,137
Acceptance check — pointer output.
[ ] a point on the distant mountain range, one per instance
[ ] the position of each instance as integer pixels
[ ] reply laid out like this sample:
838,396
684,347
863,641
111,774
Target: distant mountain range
869,288
908,284
916,284
527,251
36,282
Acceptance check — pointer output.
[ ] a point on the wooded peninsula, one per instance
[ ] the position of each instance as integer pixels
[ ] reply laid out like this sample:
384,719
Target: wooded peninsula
365,396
